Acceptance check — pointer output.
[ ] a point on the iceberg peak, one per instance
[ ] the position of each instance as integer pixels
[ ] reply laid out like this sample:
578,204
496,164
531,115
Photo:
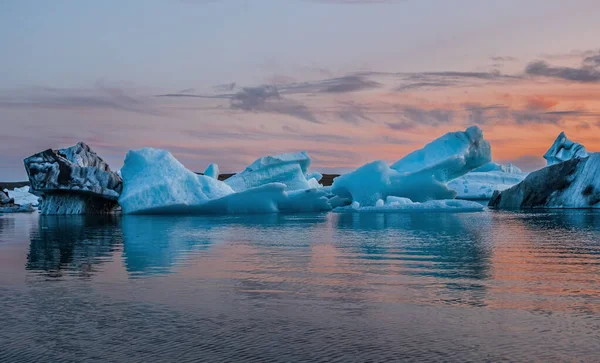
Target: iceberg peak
564,149
449,156
212,171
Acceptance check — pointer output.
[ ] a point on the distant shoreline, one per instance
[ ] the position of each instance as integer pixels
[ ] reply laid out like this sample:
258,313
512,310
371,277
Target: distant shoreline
13,185
326,181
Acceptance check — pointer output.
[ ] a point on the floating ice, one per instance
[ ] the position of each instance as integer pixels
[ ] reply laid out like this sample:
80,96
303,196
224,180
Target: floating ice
397,204
573,183
7,205
76,172
481,183
420,176
448,157
564,149
26,208
156,182
22,196
289,169
493,166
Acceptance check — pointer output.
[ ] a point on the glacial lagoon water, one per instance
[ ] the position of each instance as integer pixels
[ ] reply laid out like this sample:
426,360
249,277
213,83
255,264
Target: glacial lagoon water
487,286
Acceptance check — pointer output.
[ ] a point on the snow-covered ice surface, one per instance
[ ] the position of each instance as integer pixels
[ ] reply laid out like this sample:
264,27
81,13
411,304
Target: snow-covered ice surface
564,149
574,183
156,182
399,205
22,196
481,183
421,175
289,169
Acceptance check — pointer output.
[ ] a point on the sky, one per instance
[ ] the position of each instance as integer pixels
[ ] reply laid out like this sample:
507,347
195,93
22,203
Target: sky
348,81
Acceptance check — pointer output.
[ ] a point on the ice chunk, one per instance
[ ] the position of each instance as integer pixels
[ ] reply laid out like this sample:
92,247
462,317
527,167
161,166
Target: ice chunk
153,177
421,175
564,149
376,180
74,172
314,175
5,199
156,182
448,157
289,169
212,171
481,183
300,158
314,183
22,196
56,203
573,183
397,205
337,201
366,184
7,205
26,208
492,166
309,200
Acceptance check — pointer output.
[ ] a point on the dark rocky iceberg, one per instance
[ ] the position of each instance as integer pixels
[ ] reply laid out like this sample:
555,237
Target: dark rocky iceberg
7,205
74,180
574,183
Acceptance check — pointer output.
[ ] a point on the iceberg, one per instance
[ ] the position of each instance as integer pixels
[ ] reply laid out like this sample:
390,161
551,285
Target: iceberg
212,171
289,169
448,157
573,183
421,175
73,180
398,205
314,175
376,180
8,205
14,208
564,149
157,183
481,183
493,166
22,196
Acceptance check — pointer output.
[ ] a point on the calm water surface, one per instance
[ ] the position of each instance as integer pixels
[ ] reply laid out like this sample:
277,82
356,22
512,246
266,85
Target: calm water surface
487,286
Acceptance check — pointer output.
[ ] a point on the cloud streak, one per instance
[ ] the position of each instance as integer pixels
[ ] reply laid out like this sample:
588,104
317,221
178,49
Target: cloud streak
268,99
346,84
585,74
99,97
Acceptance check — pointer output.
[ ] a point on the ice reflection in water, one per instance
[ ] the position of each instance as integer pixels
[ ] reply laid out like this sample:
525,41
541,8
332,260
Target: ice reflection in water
438,286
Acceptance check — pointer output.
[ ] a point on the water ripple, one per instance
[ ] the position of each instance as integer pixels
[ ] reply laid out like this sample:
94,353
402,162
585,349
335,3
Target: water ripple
429,287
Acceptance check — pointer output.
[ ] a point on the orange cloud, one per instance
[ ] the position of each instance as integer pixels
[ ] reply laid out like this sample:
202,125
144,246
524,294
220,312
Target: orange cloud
540,103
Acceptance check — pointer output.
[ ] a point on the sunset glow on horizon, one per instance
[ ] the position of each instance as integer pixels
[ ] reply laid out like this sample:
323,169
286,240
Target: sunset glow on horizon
230,81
